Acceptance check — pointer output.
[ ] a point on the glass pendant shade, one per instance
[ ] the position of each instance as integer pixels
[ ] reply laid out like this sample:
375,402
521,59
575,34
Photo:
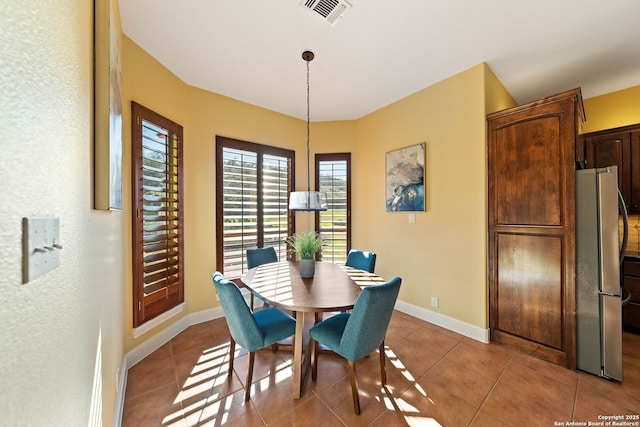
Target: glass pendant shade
307,201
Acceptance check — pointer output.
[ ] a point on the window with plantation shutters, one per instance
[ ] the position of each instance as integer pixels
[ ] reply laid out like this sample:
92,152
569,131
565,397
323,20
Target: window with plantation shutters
333,178
158,282
253,182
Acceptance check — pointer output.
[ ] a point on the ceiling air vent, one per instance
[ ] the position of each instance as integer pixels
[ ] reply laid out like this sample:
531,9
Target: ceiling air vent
328,10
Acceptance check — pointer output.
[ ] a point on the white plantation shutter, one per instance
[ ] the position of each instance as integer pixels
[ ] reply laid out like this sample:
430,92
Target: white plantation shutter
253,182
240,208
157,209
275,202
333,178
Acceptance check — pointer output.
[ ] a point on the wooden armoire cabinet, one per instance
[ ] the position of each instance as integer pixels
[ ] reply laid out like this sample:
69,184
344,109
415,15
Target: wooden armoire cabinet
531,222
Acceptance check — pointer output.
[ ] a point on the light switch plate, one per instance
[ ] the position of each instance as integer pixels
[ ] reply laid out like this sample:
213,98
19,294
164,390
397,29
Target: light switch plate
40,246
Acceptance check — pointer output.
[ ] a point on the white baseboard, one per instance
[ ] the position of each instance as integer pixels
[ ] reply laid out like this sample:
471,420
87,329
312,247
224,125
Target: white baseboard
446,322
121,389
156,321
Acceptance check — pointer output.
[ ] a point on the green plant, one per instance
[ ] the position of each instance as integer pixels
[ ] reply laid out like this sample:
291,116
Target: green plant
306,244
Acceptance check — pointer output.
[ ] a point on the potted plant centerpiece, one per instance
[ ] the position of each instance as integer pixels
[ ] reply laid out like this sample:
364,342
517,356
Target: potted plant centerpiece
306,245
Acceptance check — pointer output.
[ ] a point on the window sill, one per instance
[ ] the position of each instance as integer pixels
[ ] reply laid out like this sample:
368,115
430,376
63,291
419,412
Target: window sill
147,326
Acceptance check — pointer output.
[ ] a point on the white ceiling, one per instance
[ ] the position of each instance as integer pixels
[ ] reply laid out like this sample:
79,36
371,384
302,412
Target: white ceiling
381,51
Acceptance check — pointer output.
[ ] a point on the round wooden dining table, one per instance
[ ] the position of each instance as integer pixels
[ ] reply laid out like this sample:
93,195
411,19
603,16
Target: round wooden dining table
334,287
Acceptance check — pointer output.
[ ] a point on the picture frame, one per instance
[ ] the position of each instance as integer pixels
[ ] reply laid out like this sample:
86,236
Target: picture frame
107,110
405,179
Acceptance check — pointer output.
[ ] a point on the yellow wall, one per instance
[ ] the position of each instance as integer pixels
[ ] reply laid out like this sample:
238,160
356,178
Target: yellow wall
444,253
54,326
612,110
496,95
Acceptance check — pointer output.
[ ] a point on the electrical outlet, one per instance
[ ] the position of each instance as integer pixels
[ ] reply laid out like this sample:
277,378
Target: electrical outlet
434,301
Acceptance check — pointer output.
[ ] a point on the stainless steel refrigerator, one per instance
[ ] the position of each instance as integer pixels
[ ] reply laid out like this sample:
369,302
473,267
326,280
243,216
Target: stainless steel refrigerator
598,257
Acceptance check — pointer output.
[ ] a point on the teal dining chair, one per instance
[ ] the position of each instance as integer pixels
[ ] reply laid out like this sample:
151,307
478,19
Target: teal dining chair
251,330
259,256
362,260
354,335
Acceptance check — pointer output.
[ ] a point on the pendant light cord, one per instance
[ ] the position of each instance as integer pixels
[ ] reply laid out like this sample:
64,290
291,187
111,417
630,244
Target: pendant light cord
308,133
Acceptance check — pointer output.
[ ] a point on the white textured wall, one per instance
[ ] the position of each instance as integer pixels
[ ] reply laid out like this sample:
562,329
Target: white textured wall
49,328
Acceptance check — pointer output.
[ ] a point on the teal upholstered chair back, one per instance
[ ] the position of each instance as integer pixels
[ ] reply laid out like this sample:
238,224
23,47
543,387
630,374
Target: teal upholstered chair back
361,260
256,257
367,326
242,325
252,330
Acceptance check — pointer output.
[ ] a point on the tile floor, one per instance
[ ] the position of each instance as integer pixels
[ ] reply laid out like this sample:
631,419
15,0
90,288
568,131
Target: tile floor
435,377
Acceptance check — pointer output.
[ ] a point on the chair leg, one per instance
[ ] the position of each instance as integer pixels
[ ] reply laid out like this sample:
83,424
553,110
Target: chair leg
251,301
274,347
318,317
354,386
247,391
232,354
314,359
383,371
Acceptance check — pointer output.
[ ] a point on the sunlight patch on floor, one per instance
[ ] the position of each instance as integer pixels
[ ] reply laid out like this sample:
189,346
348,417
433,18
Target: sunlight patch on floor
409,412
422,421
208,410
282,372
210,371
397,363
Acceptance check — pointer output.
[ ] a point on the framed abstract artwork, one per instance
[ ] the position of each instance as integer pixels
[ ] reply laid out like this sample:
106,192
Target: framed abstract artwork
405,172
107,110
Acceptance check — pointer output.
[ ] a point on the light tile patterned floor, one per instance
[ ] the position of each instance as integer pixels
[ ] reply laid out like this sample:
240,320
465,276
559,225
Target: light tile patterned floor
435,377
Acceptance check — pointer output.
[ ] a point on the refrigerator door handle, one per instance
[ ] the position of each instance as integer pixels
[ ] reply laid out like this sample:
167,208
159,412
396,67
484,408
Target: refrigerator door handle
608,232
622,207
607,294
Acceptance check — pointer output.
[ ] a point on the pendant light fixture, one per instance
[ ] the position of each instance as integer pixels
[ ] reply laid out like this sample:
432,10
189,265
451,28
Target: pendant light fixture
307,200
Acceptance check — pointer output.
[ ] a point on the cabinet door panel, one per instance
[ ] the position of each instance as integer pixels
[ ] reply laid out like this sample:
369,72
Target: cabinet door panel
631,268
607,150
631,315
612,150
632,285
530,288
528,172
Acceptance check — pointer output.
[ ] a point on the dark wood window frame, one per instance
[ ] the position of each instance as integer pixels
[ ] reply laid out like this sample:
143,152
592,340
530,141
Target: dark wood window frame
157,214
261,150
333,157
